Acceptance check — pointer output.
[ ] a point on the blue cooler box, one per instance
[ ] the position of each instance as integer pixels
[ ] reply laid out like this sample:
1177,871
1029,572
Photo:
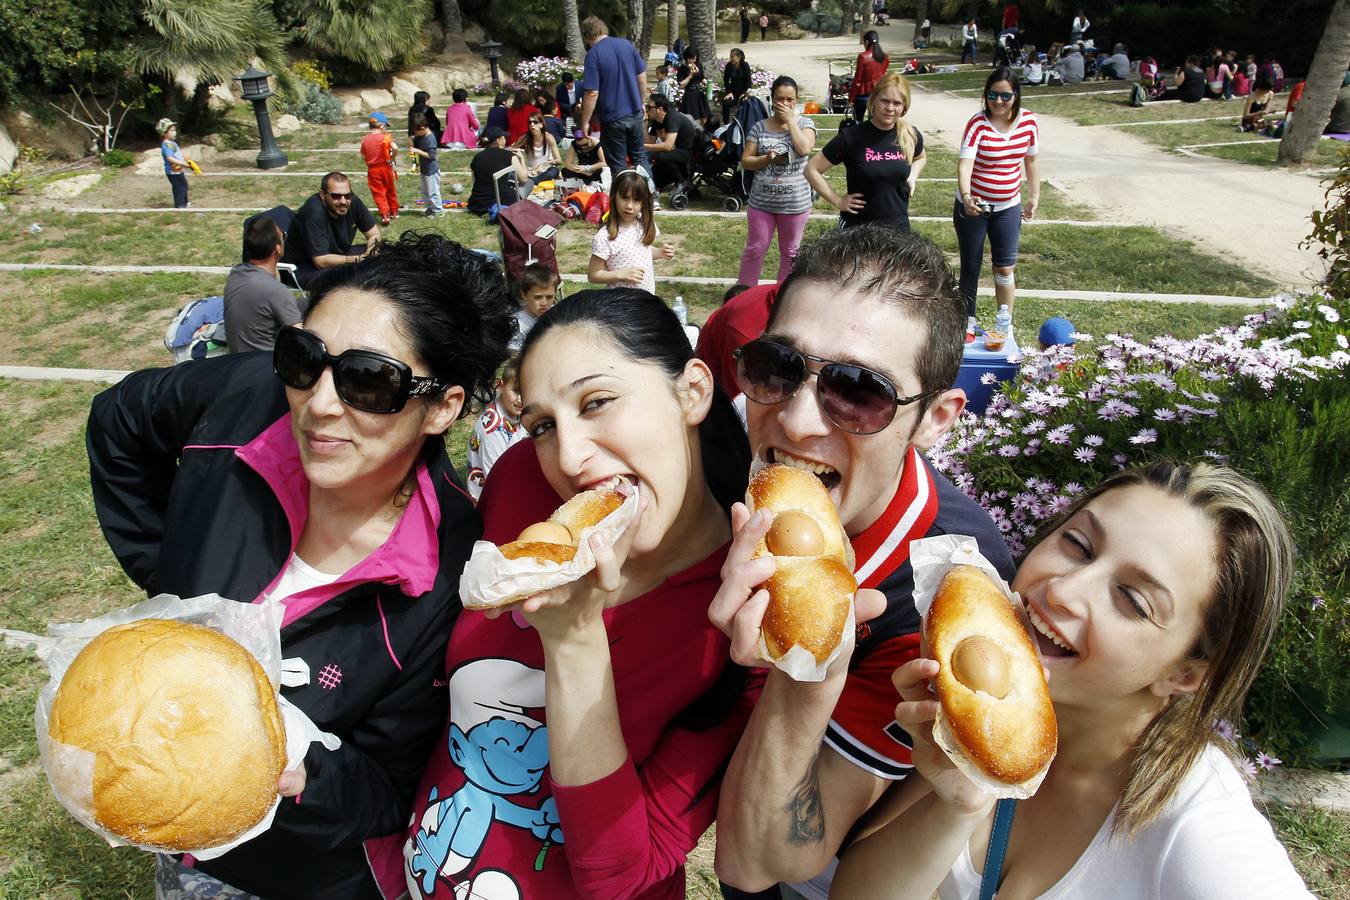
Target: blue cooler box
978,360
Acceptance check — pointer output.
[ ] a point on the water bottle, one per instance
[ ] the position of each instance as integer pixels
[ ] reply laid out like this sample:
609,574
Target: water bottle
682,311
1003,323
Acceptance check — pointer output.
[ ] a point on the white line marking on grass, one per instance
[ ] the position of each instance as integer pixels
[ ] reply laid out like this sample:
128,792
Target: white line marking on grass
1030,97
38,373
1161,122
1229,143
1075,223
1105,296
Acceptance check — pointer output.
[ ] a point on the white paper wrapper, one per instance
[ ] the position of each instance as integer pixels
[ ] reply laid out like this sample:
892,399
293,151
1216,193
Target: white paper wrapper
256,626
490,579
931,559
800,663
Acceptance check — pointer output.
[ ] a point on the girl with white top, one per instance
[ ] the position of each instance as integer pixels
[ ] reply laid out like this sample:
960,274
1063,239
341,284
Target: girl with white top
542,159
621,251
970,36
1149,636
999,144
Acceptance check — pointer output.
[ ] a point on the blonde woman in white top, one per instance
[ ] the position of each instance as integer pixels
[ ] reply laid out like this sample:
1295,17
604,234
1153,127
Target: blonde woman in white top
1149,635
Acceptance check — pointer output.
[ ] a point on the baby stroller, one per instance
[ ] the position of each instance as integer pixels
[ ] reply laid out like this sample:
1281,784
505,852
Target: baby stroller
717,157
879,14
838,89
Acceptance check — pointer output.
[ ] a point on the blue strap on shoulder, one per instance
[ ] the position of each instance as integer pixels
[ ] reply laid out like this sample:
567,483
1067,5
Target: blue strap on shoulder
998,848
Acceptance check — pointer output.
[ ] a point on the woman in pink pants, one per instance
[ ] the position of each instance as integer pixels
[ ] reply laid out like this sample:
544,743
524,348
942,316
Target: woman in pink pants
777,150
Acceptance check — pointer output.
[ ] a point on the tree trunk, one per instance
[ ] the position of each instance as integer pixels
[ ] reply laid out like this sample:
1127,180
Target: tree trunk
635,11
1299,144
648,23
453,25
701,20
920,13
576,48
672,22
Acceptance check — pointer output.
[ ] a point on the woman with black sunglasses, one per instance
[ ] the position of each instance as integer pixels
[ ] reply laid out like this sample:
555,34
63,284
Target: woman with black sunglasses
317,476
999,143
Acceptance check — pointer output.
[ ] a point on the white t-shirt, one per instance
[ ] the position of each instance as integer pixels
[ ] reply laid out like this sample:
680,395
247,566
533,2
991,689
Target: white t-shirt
300,576
493,435
626,250
524,322
1209,843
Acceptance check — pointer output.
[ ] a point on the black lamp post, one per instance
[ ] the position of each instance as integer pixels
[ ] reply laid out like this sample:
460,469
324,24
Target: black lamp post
256,89
493,50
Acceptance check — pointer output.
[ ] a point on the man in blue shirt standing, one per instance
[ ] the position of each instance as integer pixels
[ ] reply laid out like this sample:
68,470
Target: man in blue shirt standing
613,87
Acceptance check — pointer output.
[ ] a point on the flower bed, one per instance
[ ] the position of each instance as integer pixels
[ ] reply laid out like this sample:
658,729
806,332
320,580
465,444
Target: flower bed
1270,397
545,71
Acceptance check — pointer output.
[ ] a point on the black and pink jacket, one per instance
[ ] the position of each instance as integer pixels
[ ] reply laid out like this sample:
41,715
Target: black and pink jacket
198,488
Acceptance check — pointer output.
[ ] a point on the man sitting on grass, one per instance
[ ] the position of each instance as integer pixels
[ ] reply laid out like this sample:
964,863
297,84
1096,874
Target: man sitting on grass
321,236
257,305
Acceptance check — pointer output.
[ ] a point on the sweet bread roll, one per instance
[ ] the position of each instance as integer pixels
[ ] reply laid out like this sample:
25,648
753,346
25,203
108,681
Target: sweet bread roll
811,591
555,540
187,739
992,690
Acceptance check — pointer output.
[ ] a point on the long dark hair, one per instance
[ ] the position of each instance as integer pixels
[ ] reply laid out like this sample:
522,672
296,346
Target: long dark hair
1003,73
872,41
644,329
462,334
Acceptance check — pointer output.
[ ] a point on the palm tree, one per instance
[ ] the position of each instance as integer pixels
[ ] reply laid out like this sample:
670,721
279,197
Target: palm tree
209,40
920,13
1299,144
453,26
635,11
576,48
373,33
672,22
648,23
701,19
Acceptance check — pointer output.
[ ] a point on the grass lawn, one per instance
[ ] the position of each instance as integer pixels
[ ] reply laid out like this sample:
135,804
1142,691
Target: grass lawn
1052,256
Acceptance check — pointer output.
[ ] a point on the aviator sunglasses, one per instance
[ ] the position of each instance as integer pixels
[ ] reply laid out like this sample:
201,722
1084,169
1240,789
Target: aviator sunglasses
855,399
364,379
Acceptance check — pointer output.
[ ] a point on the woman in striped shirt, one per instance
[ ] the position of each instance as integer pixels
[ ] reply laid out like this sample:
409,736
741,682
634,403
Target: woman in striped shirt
998,144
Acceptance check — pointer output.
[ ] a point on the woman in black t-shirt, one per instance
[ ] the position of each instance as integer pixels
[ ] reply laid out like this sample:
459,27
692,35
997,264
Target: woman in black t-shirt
494,157
882,158
1189,86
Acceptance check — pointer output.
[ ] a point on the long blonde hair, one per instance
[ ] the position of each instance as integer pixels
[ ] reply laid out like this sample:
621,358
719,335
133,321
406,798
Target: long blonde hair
1253,567
906,135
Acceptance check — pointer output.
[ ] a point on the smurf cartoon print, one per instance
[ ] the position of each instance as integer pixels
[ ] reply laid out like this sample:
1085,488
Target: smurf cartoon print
503,752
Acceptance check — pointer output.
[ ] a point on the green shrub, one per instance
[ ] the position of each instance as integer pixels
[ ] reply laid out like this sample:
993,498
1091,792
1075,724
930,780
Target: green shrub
311,72
318,106
1271,398
117,159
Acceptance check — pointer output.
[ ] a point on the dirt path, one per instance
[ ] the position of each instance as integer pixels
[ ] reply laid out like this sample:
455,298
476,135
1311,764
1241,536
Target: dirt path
1263,212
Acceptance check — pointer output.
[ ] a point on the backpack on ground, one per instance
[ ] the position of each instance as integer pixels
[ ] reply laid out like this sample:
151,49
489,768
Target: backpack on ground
1138,95
529,235
197,331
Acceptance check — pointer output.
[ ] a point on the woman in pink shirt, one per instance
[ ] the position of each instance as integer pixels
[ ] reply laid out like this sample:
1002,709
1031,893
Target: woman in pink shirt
461,125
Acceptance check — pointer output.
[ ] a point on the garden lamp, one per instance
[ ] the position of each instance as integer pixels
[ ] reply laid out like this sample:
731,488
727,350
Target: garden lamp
492,50
256,90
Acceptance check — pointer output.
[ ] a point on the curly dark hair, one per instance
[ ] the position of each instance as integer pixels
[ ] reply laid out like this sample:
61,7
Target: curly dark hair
453,305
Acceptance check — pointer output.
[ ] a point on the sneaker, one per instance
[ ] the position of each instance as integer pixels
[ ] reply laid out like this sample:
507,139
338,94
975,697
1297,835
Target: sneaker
384,220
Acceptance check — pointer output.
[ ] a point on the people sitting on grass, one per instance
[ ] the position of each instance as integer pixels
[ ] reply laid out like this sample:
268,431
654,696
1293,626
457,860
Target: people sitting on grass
1033,72
257,304
461,125
486,163
1116,66
421,105
1188,85
496,115
585,159
1070,66
568,97
673,151
1218,79
540,152
1257,106
518,115
321,235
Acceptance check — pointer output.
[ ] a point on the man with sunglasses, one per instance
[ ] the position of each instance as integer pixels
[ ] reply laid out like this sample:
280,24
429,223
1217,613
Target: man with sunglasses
321,235
851,380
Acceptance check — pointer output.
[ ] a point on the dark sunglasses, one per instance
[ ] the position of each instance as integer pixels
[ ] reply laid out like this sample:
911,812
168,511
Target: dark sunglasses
336,196
855,399
1005,96
363,379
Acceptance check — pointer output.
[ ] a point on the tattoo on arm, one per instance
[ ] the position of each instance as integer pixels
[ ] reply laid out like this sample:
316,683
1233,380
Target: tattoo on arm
806,812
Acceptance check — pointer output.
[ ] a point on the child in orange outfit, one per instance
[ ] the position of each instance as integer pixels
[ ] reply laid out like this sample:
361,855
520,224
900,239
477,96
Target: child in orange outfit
378,150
